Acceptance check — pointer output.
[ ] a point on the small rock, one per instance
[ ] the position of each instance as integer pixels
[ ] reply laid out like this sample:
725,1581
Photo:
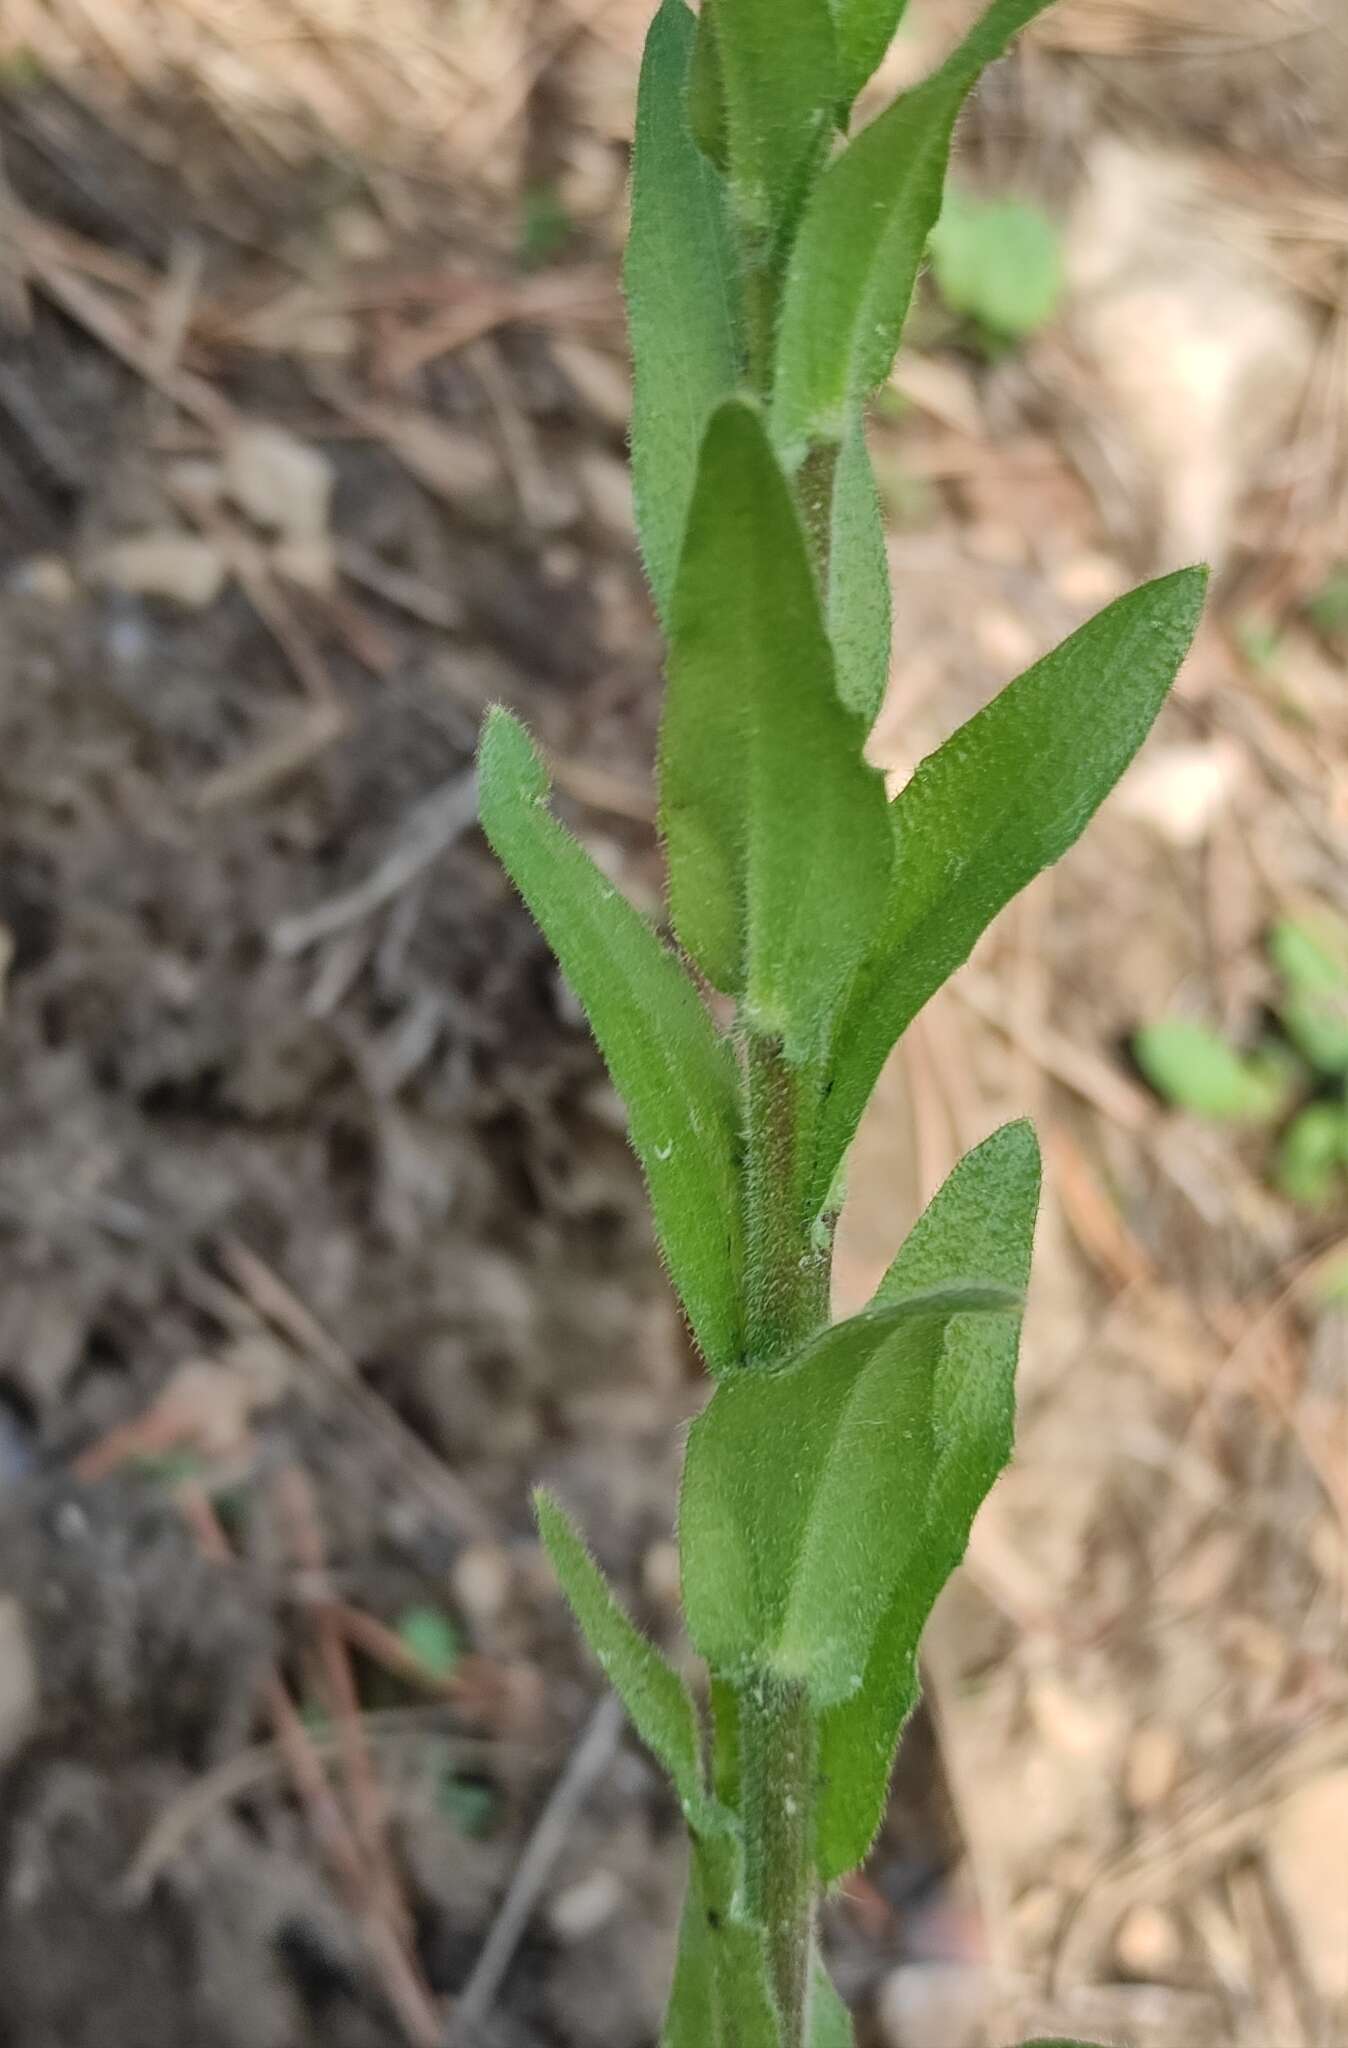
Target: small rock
660,1575
1089,580
1076,1726
19,1691
1180,791
581,1909
481,1579
1153,1767
181,567
1148,1942
997,542
283,484
932,2005
196,482
1004,640
358,234
45,577
308,560
1305,1855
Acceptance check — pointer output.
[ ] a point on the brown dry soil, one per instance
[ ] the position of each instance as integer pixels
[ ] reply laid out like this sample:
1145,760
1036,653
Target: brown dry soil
319,1239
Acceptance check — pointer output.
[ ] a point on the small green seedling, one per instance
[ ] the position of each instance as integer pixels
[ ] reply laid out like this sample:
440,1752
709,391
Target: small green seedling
1295,1085
998,263
831,1481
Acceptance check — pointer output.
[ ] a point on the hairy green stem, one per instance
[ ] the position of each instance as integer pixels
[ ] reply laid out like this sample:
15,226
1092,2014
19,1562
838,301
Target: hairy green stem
777,1737
814,495
787,1275
778,1742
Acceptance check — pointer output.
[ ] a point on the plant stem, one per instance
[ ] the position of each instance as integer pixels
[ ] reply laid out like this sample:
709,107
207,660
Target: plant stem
814,496
787,1277
777,1733
787,1302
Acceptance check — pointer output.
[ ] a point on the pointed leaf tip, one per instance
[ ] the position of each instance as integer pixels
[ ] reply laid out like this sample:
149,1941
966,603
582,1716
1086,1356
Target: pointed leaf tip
656,1698
1005,797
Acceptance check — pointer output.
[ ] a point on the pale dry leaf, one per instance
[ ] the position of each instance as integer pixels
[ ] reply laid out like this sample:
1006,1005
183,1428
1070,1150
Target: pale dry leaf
283,484
182,568
1308,1862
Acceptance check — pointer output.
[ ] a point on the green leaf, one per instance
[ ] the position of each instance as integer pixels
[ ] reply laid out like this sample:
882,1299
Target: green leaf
1312,1154
981,1221
432,1638
692,2017
830,2021
1311,955
804,1490
706,92
659,1703
997,261
1003,798
857,251
720,1996
681,280
778,68
1327,610
1198,1071
776,828
858,591
865,30
677,1077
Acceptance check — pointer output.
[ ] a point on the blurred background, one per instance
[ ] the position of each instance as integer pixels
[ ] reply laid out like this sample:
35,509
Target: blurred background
319,1240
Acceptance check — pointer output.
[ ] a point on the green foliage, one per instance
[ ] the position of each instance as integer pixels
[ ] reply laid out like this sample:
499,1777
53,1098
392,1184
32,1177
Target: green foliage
775,828
998,262
858,591
675,1074
1001,800
1197,1070
832,1480
1327,610
1311,1154
654,1695
981,1220
1311,956
1298,1081
778,68
683,297
546,226
861,240
721,1997
865,29
830,2021
803,1491
432,1639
